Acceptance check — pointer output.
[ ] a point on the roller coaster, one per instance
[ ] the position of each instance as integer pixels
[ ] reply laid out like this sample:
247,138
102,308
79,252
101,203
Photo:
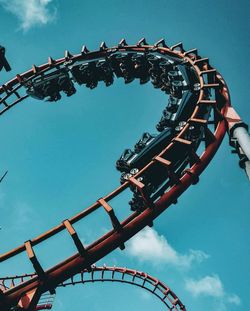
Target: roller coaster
157,170
105,274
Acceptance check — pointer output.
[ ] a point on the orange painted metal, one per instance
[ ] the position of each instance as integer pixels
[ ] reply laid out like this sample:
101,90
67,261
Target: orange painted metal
111,274
135,222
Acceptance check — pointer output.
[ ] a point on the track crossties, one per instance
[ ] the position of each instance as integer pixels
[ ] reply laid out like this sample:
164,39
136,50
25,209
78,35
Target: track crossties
159,169
106,274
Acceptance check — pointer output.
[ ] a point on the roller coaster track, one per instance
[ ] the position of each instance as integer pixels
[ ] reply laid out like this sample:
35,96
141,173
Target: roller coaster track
106,274
27,293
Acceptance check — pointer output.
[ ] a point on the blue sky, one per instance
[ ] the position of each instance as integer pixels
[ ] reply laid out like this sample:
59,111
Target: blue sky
61,156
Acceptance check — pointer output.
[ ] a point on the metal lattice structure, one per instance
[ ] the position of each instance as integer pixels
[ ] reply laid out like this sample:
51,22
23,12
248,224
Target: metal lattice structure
180,161
106,274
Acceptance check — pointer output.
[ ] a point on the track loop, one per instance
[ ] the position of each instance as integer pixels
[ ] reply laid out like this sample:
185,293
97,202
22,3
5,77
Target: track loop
162,177
110,274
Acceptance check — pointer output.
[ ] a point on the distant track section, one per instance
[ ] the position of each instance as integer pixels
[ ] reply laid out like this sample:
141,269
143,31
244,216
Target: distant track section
108,274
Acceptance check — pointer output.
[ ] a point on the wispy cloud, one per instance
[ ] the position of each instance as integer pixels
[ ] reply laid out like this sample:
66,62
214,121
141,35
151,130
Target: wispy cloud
234,299
149,246
145,295
31,12
2,197
212,286
207,286
24,215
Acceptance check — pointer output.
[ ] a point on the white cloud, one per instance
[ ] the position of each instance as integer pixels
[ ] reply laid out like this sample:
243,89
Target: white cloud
212,286
234,299
208,286
148,245
23,213
30,12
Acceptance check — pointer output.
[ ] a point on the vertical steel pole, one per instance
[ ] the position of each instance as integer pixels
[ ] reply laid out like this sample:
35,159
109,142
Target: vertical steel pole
239,138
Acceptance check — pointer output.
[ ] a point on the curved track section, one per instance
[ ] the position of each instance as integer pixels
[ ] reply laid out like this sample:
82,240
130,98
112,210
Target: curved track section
179,162
107,274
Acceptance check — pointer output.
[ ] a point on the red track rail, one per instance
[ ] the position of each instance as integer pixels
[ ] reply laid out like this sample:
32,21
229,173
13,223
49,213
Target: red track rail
50,279
107,274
